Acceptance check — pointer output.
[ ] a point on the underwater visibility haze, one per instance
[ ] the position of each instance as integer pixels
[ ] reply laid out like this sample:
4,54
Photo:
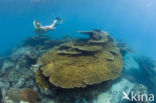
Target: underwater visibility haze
101,51
132,21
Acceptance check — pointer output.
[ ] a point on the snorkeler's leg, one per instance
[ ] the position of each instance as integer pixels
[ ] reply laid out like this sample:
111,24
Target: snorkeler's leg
53,24
60,22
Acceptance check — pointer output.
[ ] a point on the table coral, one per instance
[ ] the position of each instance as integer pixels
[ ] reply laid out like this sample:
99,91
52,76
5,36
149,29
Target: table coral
68,71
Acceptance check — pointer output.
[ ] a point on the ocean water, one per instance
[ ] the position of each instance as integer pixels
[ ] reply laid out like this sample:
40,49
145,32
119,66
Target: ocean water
131,21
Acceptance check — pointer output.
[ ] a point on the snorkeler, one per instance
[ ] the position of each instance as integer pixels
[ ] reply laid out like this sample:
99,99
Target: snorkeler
42,29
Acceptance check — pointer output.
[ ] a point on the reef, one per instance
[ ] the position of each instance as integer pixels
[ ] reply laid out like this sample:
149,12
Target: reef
71,70
25,95
79,64
17,69
98,35
148,68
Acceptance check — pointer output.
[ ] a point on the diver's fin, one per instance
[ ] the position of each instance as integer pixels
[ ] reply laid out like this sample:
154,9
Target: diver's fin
57,18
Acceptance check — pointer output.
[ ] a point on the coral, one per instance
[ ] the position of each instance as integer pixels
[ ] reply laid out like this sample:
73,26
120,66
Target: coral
6,65
74,72
72,48
95,34
26,95
75,48
67,71
98,41
44,84
67,45
41,80
14,95
88,48
19,62
23,78
71,52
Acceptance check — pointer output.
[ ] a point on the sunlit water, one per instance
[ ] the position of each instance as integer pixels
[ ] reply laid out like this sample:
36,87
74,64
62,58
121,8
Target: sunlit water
133,21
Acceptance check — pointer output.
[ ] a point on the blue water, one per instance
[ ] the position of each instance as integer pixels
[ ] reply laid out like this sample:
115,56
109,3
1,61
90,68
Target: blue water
133,21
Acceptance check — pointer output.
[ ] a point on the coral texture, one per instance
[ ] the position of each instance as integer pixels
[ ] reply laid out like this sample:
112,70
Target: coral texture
96,64
26,95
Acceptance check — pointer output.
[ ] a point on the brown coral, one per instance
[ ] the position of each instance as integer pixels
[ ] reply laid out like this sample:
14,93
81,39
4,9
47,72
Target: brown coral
67,71
29,95
26,95
69,52
42,81
88,48
96,34
98,41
